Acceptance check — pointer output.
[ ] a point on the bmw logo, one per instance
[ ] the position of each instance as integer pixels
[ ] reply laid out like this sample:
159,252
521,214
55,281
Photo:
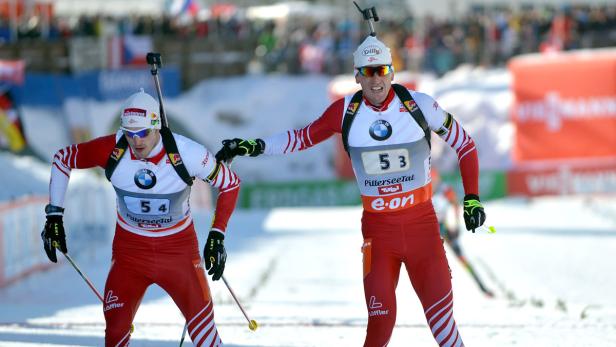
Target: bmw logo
145,179
380,130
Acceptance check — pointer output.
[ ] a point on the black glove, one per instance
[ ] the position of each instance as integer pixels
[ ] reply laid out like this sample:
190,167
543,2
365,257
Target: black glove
235,147
215,254
474,215
53,233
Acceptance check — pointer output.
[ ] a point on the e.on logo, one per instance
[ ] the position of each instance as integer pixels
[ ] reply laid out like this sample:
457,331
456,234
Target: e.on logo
398,202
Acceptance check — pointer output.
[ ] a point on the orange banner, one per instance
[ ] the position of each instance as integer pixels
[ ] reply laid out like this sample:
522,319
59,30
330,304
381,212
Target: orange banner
583,177
565,105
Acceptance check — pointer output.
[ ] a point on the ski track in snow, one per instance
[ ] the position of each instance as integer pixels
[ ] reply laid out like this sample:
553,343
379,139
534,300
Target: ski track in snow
298,274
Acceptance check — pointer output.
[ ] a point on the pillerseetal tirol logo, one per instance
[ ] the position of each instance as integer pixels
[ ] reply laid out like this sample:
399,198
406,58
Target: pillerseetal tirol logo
134,112
371,50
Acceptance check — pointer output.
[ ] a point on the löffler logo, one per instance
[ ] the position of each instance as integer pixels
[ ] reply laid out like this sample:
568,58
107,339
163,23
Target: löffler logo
111,302
375,308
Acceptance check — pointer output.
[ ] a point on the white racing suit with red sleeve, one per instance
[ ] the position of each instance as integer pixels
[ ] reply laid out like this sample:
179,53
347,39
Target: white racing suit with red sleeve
155,241
391,160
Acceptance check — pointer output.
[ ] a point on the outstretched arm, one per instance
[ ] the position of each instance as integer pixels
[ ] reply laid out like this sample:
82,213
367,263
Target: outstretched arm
288,141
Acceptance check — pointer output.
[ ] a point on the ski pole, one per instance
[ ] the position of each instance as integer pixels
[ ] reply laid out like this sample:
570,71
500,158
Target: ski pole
87,280
368,14
155,60
252,324
183,334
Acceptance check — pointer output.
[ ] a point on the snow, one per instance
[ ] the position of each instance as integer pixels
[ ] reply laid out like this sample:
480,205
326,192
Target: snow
297,271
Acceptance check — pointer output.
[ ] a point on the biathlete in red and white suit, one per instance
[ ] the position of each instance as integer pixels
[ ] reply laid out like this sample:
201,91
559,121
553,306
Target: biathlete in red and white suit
155,240
391,160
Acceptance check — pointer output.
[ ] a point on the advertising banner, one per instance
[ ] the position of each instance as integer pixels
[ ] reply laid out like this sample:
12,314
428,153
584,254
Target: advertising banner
565,123
584,177
300,193
565,106
20,240
98,85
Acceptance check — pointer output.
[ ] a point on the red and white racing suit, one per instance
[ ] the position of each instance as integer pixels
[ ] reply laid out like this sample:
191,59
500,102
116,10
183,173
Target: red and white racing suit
155,240
391,161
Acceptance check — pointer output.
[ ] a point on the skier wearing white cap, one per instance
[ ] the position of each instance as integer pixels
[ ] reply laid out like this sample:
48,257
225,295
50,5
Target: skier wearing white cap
386,130
155,242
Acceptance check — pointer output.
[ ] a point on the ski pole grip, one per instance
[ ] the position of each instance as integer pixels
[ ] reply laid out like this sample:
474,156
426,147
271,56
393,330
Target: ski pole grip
374,15
155,60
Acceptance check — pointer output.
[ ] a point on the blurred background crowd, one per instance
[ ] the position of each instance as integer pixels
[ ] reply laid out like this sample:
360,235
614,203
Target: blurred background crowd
320,36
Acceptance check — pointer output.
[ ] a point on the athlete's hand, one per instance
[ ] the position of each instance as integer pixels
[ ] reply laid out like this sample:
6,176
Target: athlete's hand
235,147
215,254
53,233
474,215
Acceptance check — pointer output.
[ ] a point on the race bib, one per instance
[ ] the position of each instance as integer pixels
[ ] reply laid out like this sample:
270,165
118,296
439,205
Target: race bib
385,161
146,206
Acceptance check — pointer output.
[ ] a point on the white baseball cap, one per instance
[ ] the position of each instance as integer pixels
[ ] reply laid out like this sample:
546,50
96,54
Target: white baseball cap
140,110
371,52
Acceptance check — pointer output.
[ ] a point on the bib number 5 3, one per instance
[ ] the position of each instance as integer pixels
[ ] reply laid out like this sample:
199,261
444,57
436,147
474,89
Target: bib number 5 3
387,161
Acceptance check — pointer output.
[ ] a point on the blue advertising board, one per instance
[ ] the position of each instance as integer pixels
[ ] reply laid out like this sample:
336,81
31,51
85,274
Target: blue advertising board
52,90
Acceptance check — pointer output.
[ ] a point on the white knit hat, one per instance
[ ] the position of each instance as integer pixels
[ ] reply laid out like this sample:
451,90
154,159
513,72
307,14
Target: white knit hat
140,110
371,52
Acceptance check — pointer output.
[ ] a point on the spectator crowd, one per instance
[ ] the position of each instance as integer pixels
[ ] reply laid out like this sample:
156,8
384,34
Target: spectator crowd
482,37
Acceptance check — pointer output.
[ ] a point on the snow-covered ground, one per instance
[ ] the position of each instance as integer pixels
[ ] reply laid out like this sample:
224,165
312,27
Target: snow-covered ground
298,274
